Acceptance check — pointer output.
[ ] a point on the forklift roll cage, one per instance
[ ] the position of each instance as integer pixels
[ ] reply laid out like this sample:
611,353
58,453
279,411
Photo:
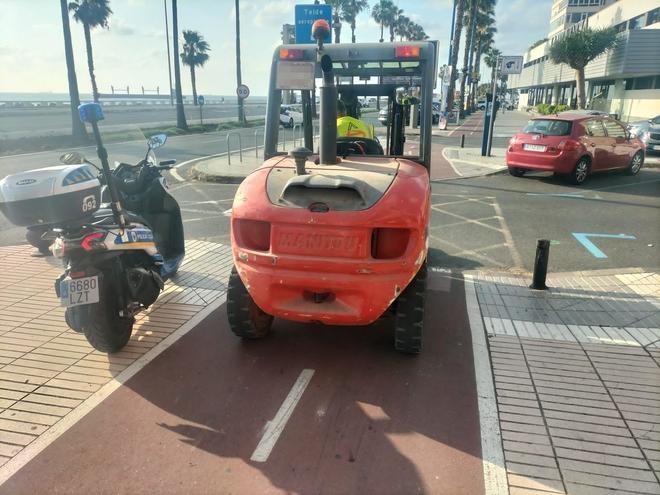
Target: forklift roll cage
395,65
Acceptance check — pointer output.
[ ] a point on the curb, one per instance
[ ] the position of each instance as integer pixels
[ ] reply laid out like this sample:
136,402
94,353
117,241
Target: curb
201,176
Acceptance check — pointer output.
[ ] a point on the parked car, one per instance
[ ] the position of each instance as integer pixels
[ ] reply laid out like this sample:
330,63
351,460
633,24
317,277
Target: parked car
290,116
574,145
648,131
383,116
481,105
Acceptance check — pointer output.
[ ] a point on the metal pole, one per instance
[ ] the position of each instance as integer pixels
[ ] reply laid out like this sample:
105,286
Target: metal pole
492,110
451,36
541,264
169,62
241,111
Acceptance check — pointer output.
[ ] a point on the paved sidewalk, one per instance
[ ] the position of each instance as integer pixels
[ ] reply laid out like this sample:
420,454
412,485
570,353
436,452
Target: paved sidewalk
468,162
577,380
50,374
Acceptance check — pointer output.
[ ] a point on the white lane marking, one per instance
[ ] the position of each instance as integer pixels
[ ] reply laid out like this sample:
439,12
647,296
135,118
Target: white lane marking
227,213
53,433
451,164
508,237
275,427
492,454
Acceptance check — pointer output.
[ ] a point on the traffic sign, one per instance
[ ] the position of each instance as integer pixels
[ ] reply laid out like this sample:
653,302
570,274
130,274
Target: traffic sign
511,64
243,91
200,100
305,17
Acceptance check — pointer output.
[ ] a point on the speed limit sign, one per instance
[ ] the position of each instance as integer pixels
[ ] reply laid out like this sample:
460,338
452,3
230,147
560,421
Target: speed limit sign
243,91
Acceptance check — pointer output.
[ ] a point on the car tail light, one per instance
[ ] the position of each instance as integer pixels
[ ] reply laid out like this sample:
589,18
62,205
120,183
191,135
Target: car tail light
93,242
569,145
292,54
407,51
252,234
389,243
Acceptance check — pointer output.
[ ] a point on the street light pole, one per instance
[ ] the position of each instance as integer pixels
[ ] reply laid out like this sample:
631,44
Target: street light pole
241,110
491,124
169,62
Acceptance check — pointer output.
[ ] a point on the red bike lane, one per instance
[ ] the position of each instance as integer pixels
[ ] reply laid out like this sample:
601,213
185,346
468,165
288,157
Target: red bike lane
369,421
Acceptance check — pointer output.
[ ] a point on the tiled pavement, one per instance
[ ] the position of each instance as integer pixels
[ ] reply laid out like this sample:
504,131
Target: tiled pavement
577,379
48,371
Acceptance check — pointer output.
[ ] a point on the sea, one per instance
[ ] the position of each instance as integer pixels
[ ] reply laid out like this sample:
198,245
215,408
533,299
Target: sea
7,97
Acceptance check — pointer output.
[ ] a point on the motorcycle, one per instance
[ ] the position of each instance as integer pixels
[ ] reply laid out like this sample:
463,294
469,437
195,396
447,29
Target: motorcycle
118,258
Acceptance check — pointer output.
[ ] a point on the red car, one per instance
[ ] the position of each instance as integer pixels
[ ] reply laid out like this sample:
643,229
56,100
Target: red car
574,145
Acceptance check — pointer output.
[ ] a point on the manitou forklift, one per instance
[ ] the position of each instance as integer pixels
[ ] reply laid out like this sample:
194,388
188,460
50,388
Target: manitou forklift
338,234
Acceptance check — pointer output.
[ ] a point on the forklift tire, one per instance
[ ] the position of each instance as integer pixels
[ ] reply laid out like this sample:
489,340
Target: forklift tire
409,317
246,319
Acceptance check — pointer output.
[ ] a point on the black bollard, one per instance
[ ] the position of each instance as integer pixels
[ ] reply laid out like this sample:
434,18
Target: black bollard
462,140
541,264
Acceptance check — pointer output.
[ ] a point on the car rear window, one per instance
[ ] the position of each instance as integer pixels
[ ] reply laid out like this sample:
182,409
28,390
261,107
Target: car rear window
548,127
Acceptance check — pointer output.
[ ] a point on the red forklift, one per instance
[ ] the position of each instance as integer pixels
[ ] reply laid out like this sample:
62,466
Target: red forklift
338,233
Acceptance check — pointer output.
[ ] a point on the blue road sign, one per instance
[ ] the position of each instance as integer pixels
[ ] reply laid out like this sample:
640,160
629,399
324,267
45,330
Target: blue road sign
305,17
200,100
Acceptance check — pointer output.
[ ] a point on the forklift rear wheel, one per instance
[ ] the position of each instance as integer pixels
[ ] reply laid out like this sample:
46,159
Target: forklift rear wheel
409,319
246,319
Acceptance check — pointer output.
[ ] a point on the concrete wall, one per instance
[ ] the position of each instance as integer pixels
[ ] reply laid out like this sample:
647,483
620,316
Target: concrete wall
637,104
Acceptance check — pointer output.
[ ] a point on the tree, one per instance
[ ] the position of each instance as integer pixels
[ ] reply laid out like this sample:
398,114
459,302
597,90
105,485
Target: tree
417,33
194,55
241,109
537,43
402,27
352,8
91,13
77,127
337,15
180,114
470,27
382,14
578,48
483,40
455,46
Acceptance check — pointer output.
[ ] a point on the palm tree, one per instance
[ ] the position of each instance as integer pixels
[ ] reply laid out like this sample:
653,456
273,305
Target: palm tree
484,27
416,33
77,127
579,48
382,13
91,13
194,55
241,109
402,27
455,46
485,38
352,9
470,26
180,114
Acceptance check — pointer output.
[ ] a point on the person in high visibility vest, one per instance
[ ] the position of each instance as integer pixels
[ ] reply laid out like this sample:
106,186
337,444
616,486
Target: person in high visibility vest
350,126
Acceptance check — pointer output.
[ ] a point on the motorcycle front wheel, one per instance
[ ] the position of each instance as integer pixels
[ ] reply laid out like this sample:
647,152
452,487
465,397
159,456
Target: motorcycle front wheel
106,330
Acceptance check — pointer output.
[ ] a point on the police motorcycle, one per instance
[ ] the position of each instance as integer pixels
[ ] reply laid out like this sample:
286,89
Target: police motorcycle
117,255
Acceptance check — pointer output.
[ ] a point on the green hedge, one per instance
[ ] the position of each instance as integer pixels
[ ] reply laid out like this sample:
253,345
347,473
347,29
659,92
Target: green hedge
545,109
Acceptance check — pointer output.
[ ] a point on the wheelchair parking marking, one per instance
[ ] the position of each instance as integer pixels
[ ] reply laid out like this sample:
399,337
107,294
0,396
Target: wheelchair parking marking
583,239
275,427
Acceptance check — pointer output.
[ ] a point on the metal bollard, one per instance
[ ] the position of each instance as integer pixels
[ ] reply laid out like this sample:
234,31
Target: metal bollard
541,264
462,140
240,147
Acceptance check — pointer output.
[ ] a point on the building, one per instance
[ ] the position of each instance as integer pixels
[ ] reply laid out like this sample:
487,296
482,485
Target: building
624,81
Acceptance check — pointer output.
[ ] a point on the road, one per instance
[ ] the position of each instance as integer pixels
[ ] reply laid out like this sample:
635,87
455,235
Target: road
22,122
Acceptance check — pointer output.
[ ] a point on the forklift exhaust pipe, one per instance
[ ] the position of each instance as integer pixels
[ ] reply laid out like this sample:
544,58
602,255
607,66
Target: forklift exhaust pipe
328,116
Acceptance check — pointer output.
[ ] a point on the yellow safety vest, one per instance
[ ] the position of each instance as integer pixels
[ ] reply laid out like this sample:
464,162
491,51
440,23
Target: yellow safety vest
352,127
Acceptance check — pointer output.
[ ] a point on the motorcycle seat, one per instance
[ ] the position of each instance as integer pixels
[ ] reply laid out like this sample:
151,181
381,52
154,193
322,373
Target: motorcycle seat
105,215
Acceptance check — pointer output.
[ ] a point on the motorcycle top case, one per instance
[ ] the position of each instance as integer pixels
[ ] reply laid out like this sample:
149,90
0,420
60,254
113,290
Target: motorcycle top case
51,195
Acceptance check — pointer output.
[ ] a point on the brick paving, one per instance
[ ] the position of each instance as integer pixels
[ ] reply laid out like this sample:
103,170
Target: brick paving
577,380
47,370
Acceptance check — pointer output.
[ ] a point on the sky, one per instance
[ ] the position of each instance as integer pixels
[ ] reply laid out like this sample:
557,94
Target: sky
133,51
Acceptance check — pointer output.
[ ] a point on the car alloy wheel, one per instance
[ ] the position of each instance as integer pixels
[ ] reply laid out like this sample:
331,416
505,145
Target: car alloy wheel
636,163
581,171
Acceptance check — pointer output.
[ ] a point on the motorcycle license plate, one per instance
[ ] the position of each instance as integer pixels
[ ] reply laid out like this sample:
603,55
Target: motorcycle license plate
79,291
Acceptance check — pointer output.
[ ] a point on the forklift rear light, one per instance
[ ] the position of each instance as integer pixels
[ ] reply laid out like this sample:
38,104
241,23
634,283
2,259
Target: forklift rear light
407,52
389,243
252,234
291,54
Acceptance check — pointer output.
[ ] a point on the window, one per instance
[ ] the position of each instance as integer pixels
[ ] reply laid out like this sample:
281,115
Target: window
657,82
653,16
548,127
621,27
644,82
635,22
595,128
629,84
613,129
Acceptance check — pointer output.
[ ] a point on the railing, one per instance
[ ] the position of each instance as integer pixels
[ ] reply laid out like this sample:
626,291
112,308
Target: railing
240,147
256,140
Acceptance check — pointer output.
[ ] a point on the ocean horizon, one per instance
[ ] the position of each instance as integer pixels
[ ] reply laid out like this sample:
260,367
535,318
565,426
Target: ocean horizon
54,96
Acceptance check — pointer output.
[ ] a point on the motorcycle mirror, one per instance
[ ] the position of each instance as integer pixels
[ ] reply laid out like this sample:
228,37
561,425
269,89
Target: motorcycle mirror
156,141
72,158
